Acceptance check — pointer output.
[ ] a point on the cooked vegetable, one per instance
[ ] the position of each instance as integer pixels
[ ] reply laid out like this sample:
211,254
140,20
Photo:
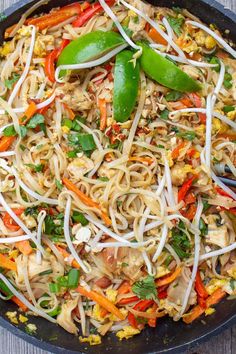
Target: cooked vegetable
126,82
146,288
165,72
90,12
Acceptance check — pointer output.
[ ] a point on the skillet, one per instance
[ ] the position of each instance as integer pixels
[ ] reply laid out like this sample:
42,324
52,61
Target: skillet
169,336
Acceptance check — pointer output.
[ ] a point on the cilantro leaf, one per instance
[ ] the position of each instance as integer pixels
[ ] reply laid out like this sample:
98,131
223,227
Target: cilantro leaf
189,135
180,243
176,24
9,131
145,288
165,114
173,96
23,131
36,168
59,185
35,121
9,83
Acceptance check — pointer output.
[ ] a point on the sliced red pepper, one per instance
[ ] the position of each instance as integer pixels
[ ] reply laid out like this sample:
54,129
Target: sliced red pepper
51,59
140,306
162,294
222,192
185,188
190,198
190,213
90,12
199,287
201,302
198,103
128,300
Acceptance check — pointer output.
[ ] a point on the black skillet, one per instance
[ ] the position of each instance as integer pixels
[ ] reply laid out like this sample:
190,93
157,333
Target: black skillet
169,336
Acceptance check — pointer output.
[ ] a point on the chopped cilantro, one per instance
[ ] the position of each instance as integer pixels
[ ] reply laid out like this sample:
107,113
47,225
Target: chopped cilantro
176,24
165,114
173,96
145,288
188,135
9,83
9,131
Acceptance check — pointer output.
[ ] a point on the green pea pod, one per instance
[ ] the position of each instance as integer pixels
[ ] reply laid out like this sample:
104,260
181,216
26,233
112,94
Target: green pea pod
165,72
126,82
88,47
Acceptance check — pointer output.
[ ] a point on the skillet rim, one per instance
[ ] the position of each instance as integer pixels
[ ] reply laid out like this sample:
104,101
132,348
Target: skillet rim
46,345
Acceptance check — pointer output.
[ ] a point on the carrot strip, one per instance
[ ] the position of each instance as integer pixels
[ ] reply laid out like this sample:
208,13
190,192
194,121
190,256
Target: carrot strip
19,303
85,199
9,222
198,310
31,110
65,254
102,301
5,142
69,110
169,278
103,113
175,153
156,37
7,263
144,159
124,288
24,247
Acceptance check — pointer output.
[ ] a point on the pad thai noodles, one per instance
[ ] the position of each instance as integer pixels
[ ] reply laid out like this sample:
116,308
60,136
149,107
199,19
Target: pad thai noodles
117,122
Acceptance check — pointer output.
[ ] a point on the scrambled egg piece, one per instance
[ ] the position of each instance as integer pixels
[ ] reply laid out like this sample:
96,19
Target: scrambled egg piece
200,129
161,271
14,254
232,115
210,42
23,319
111,295
5,49
209,311
92,339
96,314
24,31
127,332
12,317
113,318
218,126
65,129
215,284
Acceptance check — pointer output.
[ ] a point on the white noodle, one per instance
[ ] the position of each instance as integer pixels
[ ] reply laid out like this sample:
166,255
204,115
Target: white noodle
161,244
169,183
218,252
14,239
67,236
215,36
25,301
208,131
26,69
7,153
20,223
41,217
197,243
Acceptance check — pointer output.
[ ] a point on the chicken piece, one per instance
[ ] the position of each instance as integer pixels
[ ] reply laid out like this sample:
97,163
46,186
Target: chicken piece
179,173
177,289
74,97
40,47
134,260
64,319
33,267
217,235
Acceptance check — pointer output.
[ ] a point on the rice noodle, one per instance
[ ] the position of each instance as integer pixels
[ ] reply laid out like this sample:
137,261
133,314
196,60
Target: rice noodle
41,217
25,301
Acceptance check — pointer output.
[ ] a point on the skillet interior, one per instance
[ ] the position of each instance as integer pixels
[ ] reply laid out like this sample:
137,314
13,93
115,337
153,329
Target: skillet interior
169,336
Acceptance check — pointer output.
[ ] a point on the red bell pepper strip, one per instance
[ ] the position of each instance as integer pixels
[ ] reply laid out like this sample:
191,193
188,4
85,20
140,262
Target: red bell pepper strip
140,306
199,287
56,17
51,59
190,213
185,188
201,302
222,192
127,300
198,103
89,13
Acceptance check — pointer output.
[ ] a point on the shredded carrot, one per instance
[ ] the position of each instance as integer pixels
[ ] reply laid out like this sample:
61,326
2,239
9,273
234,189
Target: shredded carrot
65,254
69,110
156,37
124,288
86,200
31,110
5,262
102,301
19,303
187,102
175,153
198,310
5,142
24,247
169,278
144,159
103,113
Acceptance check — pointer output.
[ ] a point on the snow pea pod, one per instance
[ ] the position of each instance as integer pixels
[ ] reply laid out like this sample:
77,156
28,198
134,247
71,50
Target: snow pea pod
126,82
165,72
88,47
